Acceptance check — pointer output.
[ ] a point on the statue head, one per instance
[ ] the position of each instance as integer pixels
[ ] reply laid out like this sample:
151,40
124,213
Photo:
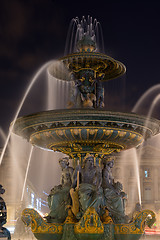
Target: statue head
64,162
108,161
2,190
89,161
118,186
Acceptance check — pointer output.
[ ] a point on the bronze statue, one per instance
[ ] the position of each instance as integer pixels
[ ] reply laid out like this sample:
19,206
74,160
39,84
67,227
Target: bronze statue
67,172
114,196
59,197
87,91
90,190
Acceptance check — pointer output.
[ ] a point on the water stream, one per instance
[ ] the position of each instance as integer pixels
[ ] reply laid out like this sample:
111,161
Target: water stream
26,173
20,106
78,28
2,134
149,115
155,90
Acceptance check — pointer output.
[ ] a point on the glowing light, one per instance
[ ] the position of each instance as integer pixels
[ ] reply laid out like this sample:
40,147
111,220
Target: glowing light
11,229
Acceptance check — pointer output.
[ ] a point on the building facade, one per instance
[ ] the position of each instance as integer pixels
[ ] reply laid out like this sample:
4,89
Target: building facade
139,172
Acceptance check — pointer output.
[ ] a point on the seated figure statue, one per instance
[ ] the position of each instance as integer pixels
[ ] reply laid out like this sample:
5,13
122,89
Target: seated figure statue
59,197
89,190
114,197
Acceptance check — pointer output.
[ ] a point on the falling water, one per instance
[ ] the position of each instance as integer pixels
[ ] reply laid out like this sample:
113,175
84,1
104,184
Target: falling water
137,174
2,134
52,93
21,104
56,99
19,149
154,102
145,96
132,174
79,28
26,174
58,88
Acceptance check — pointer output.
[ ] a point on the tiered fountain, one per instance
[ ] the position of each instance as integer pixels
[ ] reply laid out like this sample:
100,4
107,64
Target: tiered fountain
88,204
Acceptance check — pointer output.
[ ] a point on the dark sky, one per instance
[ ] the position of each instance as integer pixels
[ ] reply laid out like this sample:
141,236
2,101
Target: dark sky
34,31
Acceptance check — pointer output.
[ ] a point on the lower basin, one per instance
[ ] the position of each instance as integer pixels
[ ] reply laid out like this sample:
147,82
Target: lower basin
80,131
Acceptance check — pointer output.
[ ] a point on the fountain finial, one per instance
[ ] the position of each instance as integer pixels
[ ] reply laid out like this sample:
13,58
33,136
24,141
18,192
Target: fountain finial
86,44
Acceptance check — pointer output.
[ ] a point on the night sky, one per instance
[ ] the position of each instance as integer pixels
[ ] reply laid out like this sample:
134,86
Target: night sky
33,32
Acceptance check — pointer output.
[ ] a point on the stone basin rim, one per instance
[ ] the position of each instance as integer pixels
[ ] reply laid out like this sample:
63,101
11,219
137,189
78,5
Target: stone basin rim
62,115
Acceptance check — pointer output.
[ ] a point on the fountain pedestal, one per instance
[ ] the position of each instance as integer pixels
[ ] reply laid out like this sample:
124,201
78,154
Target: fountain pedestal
90,226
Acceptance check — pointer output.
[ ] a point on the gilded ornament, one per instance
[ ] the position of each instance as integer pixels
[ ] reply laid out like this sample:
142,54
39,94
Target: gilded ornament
60,132
105,218
108,132
139,138
38,224
132,135
75,201
92,131
89,223
121,133
137,225
76,131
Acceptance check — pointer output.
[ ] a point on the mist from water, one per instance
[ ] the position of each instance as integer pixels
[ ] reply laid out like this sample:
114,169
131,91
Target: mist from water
150,92
58,88
149,115
24,161
46,162
129,165
19,152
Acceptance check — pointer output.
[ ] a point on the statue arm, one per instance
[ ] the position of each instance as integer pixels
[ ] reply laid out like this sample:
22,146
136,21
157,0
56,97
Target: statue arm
108,181
71,170
74,176
62,179
98,177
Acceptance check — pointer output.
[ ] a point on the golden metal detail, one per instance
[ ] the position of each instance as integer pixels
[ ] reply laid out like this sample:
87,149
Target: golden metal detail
106,219
75,201
38,224
137,225
121,133
89,223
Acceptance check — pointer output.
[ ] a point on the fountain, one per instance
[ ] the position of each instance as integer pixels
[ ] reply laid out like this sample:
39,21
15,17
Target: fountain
88,204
